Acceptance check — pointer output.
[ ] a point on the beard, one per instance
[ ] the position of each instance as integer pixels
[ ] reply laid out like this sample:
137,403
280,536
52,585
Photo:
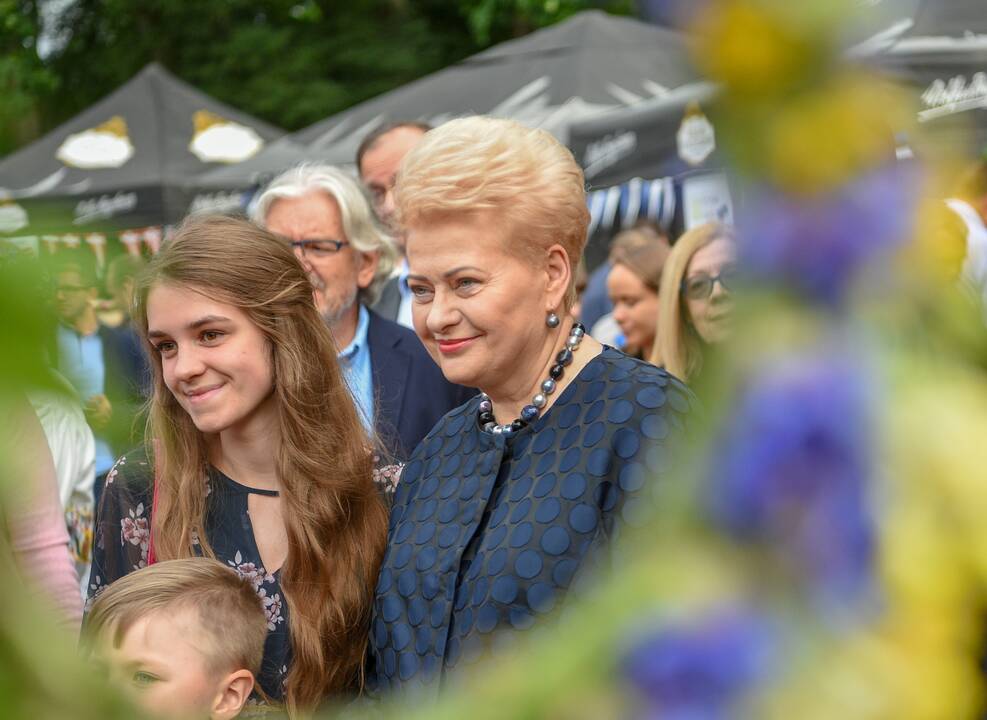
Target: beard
334,305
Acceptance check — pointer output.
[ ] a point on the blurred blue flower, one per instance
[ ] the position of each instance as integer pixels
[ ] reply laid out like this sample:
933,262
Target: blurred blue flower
700,669
791,472
818,244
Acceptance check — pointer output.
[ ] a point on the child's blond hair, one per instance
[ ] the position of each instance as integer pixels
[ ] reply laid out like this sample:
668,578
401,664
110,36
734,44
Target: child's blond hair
230,612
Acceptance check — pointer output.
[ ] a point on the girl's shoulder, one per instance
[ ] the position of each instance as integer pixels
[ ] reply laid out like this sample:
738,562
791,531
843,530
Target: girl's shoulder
131,473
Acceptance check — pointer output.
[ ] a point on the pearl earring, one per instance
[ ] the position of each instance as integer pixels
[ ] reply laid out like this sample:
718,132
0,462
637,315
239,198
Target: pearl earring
552,320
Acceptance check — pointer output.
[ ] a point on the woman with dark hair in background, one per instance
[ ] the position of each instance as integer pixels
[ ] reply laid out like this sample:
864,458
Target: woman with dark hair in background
636,258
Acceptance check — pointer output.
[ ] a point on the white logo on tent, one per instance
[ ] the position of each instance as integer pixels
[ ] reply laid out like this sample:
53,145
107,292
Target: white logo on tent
946,98
696,138
104,206
217,139
104,146
12,217
607,151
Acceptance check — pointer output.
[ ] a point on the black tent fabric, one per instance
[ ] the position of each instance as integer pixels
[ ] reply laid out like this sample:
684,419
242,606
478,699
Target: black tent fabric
641,141
127,161
941,52
580,67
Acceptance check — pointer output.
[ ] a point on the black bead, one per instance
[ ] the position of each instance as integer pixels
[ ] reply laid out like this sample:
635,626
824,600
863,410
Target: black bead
487,417
517,425
564,357
556,372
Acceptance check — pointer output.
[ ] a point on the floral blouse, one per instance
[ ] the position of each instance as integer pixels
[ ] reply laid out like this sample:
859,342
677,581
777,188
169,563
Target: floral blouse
122,537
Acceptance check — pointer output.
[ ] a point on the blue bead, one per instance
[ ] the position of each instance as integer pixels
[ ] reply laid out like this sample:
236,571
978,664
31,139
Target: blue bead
529,413
548,387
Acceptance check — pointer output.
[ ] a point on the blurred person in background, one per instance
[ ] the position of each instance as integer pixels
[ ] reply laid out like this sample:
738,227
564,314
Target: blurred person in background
121,273
579,285
73,452
255,454
105,366
511,494
970,204
323,213
695,304
636,259
377,160
32,518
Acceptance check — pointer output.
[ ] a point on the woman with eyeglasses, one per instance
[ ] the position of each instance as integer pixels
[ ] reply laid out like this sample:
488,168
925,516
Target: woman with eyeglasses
695,305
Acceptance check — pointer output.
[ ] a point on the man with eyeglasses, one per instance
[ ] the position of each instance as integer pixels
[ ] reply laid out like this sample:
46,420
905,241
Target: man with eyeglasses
323,213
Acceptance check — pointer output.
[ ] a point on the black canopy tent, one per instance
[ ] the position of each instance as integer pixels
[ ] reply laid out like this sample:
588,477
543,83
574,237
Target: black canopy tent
127,161
580,67
940,51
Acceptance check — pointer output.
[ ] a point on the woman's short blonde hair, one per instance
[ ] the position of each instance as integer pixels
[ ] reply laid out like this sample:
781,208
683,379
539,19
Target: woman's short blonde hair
677,347
488,165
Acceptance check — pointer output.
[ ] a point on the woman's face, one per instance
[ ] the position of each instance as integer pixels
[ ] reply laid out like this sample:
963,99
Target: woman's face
635,308
479,310
711,314
214,360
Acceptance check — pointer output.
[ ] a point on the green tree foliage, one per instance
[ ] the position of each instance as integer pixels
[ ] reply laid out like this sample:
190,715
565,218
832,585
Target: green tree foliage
23,77
290,62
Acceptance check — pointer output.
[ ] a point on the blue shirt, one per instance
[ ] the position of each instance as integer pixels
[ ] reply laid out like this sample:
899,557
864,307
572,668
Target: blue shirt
80,360
404,307
354,359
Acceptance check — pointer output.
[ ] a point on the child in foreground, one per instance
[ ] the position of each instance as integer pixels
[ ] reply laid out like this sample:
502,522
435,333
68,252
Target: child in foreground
185,636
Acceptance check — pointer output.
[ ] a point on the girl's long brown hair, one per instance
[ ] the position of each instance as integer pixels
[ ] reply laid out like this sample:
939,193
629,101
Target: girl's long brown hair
335,520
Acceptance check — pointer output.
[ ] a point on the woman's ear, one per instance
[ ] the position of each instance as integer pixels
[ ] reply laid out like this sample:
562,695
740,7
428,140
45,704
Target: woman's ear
232,696
558,270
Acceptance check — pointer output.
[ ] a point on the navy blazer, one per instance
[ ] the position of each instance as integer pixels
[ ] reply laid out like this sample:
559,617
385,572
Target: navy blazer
410,392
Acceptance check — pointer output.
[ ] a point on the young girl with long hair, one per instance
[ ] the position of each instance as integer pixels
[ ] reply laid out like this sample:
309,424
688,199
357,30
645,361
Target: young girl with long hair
255,454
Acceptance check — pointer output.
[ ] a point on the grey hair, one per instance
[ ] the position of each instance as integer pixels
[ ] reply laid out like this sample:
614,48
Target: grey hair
361,226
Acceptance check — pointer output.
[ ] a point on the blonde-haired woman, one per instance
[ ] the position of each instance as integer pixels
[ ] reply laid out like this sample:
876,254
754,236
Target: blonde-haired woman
256,453
695,306
505,500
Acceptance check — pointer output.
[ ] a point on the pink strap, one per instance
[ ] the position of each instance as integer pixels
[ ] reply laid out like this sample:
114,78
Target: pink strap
151,556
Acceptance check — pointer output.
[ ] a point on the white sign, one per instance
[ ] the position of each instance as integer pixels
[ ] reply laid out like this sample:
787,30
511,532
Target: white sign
696,138
706,198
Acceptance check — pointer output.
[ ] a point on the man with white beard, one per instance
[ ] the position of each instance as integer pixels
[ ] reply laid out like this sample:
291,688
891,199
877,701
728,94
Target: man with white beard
325,216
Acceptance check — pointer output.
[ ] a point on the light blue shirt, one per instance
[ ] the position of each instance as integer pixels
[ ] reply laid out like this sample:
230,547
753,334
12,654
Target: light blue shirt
404,308
80,360
354,359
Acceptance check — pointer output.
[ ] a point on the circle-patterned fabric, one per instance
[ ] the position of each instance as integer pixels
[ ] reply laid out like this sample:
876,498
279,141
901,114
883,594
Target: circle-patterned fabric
486,534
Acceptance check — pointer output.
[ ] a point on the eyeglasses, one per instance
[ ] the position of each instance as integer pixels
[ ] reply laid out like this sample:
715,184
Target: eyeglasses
700,287
318,248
